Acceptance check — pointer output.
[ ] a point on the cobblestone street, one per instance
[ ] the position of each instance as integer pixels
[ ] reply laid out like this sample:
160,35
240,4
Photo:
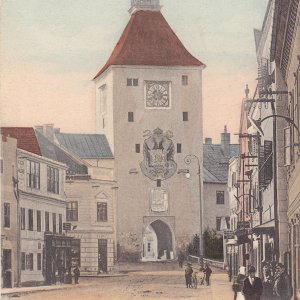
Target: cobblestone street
138,285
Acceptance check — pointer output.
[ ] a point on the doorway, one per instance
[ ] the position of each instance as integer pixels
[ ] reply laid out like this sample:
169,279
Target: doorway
6,268
102,255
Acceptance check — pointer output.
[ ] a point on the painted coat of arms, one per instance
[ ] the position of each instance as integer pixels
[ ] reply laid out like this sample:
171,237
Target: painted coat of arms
159,152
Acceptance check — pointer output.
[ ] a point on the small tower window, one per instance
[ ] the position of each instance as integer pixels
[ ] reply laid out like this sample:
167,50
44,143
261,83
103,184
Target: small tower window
132,81
158,182
185,116
178,148
184,80
130,116
137,148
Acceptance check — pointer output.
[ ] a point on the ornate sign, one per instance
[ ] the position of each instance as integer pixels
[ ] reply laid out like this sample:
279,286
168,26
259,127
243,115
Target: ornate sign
159,200
158,155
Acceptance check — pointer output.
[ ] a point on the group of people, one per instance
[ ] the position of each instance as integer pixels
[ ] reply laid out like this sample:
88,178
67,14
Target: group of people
189,274
276,284
62,274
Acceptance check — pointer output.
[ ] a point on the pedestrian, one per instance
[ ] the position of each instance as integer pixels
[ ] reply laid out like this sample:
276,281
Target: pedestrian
237,285
188,275
268,281
76,273
282,284
207,271
252,286
181,258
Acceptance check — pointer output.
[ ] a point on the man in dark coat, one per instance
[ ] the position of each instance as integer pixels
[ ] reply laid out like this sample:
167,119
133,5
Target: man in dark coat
252,286
282,286
76,273
188,275
207,271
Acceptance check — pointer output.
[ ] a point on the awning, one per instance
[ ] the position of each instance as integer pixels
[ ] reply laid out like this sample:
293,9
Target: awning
265,228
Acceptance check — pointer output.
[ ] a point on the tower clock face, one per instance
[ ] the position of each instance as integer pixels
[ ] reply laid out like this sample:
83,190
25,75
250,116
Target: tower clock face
157,94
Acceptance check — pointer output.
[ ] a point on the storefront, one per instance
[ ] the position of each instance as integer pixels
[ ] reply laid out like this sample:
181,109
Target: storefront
57,258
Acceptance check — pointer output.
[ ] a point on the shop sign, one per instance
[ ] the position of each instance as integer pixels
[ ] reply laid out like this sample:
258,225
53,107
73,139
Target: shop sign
243,224
67,226
228,234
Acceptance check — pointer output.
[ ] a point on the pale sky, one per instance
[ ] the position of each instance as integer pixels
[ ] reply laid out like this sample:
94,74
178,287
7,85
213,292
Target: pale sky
51,50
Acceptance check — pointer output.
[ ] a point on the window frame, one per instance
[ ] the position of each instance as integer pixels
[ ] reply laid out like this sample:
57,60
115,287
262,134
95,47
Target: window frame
52,180
6,214
30,219
217,198
130,116
38,221
33,174
185,116
185,80
102,211
47,221
132,82
72,212
23,218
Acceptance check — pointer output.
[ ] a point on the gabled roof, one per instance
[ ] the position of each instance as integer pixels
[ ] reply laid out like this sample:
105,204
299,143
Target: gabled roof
26,138
85,145
149,40
215,163
55,152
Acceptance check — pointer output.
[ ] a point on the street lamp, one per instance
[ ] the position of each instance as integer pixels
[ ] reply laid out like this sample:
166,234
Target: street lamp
188,159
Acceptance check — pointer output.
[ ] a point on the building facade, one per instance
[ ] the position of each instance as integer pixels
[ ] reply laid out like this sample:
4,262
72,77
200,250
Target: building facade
285,52
149,106
42,250
90,192
215,194
10,276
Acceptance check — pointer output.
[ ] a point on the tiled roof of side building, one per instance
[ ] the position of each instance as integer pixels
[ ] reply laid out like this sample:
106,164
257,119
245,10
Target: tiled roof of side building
55,152
149,40
216,163
85,145
26,138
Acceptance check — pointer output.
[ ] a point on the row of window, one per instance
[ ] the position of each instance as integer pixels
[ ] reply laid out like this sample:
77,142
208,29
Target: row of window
27,261
185,116
29,225
33,177
72,211
135,81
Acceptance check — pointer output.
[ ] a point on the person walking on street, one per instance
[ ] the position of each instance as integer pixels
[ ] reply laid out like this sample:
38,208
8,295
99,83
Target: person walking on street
207,271
188,275
180,259
252,286
282,284
76,273
238,283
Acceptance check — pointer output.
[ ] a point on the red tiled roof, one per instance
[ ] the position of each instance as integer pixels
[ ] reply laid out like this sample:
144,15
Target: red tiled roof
25,136
149,40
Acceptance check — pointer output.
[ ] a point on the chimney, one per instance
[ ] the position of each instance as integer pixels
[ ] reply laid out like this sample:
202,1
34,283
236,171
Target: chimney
208,141
225,142
49,131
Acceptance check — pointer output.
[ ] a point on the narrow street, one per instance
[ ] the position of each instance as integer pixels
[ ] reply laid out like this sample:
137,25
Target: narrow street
138,285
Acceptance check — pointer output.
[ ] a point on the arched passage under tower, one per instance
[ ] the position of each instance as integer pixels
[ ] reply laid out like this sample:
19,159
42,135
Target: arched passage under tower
157,242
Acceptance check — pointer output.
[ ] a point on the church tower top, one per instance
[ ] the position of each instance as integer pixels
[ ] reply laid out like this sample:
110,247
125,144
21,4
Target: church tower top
152,5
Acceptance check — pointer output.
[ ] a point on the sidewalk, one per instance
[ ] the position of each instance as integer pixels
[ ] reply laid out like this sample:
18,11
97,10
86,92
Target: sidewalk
58,286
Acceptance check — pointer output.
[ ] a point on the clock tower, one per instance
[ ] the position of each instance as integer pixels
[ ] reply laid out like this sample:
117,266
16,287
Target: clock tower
149,106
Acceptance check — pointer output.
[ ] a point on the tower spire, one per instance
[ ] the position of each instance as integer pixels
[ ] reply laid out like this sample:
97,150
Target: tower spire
152,5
